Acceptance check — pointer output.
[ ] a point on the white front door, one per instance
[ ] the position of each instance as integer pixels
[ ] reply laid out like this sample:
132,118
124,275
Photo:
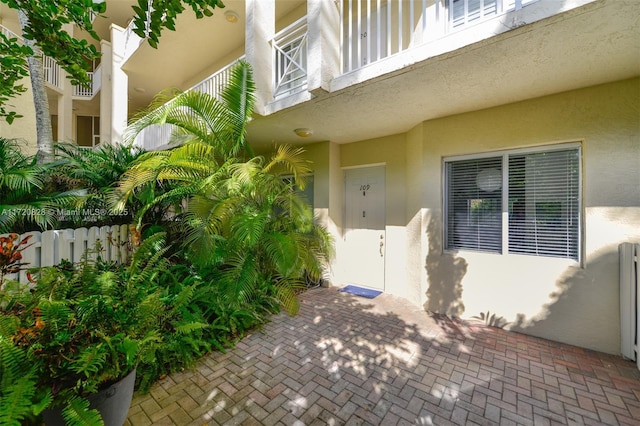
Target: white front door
364,237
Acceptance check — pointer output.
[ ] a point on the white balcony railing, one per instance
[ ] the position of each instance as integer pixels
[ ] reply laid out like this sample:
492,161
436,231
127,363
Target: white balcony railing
81,91
375,29
8,33
216,82
290,59
158,136
51,68
52,72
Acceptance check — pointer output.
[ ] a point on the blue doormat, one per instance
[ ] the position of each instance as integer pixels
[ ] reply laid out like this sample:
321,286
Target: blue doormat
359,291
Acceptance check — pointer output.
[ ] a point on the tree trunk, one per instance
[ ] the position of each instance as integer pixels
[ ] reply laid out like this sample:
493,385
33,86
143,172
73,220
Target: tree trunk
40,100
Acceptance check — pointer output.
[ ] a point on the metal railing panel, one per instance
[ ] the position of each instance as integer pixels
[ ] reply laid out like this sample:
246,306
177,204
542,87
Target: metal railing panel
290,59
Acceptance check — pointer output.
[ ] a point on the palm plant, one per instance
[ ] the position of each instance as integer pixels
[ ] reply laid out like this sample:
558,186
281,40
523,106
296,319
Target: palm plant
236,215
219,123
96,172
25,203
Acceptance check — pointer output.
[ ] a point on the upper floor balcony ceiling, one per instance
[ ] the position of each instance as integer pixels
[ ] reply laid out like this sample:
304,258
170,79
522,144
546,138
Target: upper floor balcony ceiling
192,52
547,47
498,57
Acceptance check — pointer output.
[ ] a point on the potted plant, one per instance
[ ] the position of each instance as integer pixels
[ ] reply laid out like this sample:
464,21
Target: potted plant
76,331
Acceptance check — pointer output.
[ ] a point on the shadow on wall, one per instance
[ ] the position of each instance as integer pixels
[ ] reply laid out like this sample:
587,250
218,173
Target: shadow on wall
584,306
444,275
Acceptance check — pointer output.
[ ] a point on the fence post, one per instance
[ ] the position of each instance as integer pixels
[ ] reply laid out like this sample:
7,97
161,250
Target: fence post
81,245
31,255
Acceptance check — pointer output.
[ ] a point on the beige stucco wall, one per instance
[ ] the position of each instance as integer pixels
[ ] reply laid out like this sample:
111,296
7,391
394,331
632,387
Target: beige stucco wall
23,128
558,299
552,298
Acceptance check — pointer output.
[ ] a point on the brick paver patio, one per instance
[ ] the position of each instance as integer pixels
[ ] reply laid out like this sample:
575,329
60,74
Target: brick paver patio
345,360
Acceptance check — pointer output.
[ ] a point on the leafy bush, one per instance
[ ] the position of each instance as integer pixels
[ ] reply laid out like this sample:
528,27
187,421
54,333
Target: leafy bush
82,327
26,201
94,172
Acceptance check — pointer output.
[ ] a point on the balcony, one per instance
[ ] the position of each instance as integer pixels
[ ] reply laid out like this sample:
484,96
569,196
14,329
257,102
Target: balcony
53,73
94,86
367,39
157,137
372,30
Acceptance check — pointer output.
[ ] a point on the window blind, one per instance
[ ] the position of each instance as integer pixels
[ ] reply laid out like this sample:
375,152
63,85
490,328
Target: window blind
542,199
474,204
544,204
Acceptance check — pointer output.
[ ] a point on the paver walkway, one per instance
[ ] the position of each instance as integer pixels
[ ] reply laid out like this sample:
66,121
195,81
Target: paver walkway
345,360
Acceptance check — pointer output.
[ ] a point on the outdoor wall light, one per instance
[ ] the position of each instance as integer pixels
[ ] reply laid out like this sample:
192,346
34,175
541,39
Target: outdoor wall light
231,16
303,132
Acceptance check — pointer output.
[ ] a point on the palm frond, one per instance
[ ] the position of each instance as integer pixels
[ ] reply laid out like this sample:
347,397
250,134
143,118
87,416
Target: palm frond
238,283
284,251
289,159
239,98
286,293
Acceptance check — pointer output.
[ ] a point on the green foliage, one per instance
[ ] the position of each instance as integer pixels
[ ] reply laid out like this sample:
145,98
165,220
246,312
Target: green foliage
78,413
14,68
85,326
25,202
239,213
217,127
183,327
246,245
151,17
94,173
19,397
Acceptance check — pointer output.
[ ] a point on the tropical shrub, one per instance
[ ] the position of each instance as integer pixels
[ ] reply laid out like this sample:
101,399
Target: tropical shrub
82,327
95,172
235,213
26,202
11,254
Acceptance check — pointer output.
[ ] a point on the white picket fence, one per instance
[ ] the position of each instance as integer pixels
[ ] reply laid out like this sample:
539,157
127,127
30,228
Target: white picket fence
49,248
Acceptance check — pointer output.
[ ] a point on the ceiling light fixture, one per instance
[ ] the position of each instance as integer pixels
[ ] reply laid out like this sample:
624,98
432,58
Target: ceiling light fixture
303,132
231,16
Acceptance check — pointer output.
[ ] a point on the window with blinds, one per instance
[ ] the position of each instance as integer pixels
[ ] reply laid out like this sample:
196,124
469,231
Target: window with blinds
539,189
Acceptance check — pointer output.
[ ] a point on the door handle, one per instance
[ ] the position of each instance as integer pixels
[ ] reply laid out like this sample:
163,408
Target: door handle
381,245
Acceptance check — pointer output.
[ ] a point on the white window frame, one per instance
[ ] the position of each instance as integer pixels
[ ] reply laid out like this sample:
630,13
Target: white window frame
505,196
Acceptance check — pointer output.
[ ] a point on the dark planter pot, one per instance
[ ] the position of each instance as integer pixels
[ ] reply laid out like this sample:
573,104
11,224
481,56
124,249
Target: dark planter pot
113,403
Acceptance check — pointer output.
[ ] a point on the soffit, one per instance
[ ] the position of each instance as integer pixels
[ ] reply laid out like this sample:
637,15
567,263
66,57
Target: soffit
196,47
595,44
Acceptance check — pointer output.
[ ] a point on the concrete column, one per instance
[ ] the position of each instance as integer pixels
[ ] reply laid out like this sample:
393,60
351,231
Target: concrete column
66,121
66,128
119,85
323,44
259,30
106,91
